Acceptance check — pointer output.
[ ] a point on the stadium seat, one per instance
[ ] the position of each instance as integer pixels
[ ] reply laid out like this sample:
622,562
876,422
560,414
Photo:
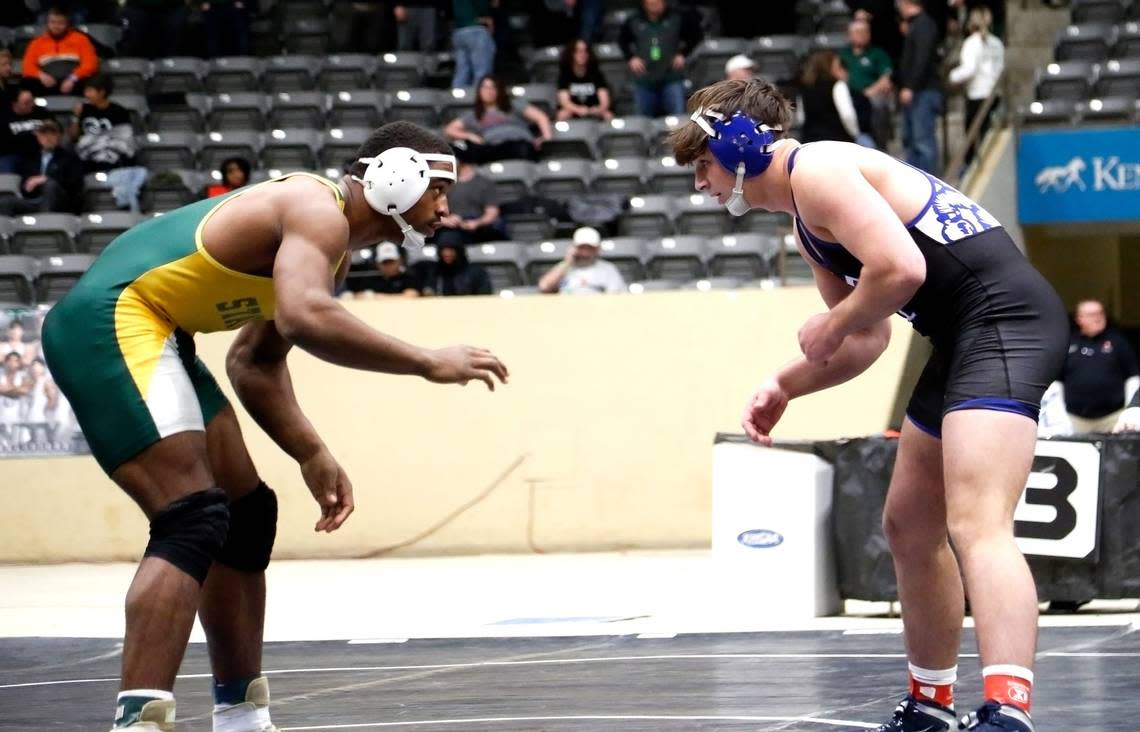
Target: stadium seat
562,178
1066,80
512,178
1108,109
1128,39
665,176
541,256
612,22
298,109
177,74
544,63
503,261
291,149
708,284
129,75
766,222
5,234
639,288
97,194
1099,11
135,104
627,253
648,217
615,68
339,145
1048,112
709,57
829,41
777,57
168,150
97,230
660,129
744,256
356,108
680,258
1089,42
624,137
233,74
179,113
403,70
416,105
698,213
7,34
289,73
345,71
237,111
833,17
543,96
529,227
575,138
168,189
9,184
307,35
58,274
43,234
17,273
106,35
624,176
217,146
22,35
1119,78
62,108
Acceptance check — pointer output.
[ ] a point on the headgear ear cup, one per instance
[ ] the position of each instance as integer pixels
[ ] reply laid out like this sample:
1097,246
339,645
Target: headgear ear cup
741,145
397,178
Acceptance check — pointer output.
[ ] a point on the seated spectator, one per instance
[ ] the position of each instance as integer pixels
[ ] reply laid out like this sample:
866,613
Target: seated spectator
869,72
389,276
979,68
829,113
15,386
106,141
18,124
582,88
227,27
656,41
9,82
499,128
582,271
50,181
1100,374
14,343
474,208
739,68
60,60
452,274
235,174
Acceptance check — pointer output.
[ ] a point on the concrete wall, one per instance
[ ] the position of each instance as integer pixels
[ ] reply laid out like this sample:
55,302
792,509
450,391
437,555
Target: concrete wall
602,440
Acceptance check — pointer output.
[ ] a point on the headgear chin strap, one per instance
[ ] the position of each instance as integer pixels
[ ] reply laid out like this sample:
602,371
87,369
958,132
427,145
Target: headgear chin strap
740,144
396,179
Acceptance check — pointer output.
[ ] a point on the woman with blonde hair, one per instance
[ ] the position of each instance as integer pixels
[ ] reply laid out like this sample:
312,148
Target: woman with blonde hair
979,68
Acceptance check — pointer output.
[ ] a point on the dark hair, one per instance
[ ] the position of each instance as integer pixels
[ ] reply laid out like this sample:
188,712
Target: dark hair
15,323
817,68
102,82
566,59
399,134
242,164
60,10
502,98
13,353
757,98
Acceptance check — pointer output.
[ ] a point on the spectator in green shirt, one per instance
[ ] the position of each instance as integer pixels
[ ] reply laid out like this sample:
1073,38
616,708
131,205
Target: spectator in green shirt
869,77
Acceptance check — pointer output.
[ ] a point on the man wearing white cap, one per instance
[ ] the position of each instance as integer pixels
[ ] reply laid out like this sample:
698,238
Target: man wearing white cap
389,277
583,272
739,67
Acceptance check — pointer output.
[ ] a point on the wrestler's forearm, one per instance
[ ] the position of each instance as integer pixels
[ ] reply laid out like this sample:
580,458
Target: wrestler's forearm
858,352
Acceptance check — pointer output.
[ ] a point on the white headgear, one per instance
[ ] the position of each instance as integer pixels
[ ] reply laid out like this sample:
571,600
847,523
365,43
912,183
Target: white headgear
397,178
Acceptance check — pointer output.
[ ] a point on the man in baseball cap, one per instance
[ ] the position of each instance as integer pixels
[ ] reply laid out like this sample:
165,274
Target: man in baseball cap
389,277
582,271
739,67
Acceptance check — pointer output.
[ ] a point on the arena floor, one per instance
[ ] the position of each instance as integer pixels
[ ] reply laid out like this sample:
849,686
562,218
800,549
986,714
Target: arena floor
613,659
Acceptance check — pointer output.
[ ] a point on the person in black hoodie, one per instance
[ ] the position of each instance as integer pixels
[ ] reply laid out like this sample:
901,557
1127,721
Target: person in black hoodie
920,87
453,274
50,181
18,123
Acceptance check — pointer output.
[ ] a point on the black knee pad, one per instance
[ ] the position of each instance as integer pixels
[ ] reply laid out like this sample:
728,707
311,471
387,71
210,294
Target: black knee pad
253,527
189,532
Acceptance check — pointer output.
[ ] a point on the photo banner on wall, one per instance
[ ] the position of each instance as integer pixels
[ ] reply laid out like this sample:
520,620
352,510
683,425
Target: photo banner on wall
1076,176
35,418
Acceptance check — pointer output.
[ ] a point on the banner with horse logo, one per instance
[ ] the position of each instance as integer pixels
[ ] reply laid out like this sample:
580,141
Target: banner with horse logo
1078,175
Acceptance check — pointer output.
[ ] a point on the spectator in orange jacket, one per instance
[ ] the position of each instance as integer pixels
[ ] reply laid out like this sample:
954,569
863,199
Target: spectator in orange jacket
58,61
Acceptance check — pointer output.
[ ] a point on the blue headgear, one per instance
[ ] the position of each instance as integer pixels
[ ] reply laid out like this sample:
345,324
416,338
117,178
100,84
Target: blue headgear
740,144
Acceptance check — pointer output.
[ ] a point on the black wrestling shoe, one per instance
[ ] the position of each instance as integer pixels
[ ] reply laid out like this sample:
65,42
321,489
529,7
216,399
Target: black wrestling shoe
996,717
914,715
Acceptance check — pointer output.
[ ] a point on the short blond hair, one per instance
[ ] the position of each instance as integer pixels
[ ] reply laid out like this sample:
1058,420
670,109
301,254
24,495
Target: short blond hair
757,98
980,20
